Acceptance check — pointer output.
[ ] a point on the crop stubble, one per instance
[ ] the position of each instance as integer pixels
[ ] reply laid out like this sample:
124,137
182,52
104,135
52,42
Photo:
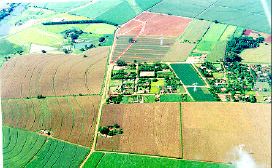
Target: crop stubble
148,129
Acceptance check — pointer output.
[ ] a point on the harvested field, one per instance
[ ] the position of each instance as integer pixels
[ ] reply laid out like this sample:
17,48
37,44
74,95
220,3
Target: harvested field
155,24
150,128
54,75
70,118
261,54
146,48
213,131
179,52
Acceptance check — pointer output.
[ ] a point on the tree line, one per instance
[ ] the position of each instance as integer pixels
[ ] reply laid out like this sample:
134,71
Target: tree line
80,22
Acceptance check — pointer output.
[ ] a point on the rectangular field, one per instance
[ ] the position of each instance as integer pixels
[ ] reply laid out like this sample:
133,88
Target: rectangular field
195,30
228,33
187,74
218,52
111,160
179,52
201,94
149,128
213,131
261,54
145,49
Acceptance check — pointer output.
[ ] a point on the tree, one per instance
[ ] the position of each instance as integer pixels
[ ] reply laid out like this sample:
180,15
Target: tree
131,40
65,51
121,63
104,130
116,126
102,39
43,51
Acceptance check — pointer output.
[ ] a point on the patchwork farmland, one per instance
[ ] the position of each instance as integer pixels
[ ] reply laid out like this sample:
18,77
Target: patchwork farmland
147,99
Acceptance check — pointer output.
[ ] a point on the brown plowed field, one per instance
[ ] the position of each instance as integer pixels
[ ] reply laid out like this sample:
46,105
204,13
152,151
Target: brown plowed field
70,118
155,24
148,129
212,131
54,75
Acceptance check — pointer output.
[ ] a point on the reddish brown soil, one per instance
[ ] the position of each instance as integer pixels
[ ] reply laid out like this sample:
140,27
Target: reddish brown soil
148,129
156,25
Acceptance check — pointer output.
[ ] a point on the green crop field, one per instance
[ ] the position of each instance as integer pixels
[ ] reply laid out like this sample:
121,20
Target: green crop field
146,4
156,86
96,9
20,146
195,30
36,36
60,6
187,74
218,52
111,160
240,13
215,32
201,94
58,153
211,37
238,32
171,98
228,33
186,8
93,160
123,9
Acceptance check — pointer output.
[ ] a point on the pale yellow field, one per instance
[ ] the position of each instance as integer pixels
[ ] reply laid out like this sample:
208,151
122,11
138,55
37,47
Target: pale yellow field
213,131
261,54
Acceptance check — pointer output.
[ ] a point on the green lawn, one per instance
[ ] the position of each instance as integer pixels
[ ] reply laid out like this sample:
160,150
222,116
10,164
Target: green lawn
155,86
218,74
201,94
149,98
187,74
115,82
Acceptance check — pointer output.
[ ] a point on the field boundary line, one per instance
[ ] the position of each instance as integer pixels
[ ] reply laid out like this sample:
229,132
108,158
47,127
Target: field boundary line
104,154
61,116
17,107
12,114
206,8
196,69
83,118
88,136
180,111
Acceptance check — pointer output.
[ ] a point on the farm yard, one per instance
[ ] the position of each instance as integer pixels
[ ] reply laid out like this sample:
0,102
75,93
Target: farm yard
20,147
214,131
147,132
136,83
68,118
54,74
